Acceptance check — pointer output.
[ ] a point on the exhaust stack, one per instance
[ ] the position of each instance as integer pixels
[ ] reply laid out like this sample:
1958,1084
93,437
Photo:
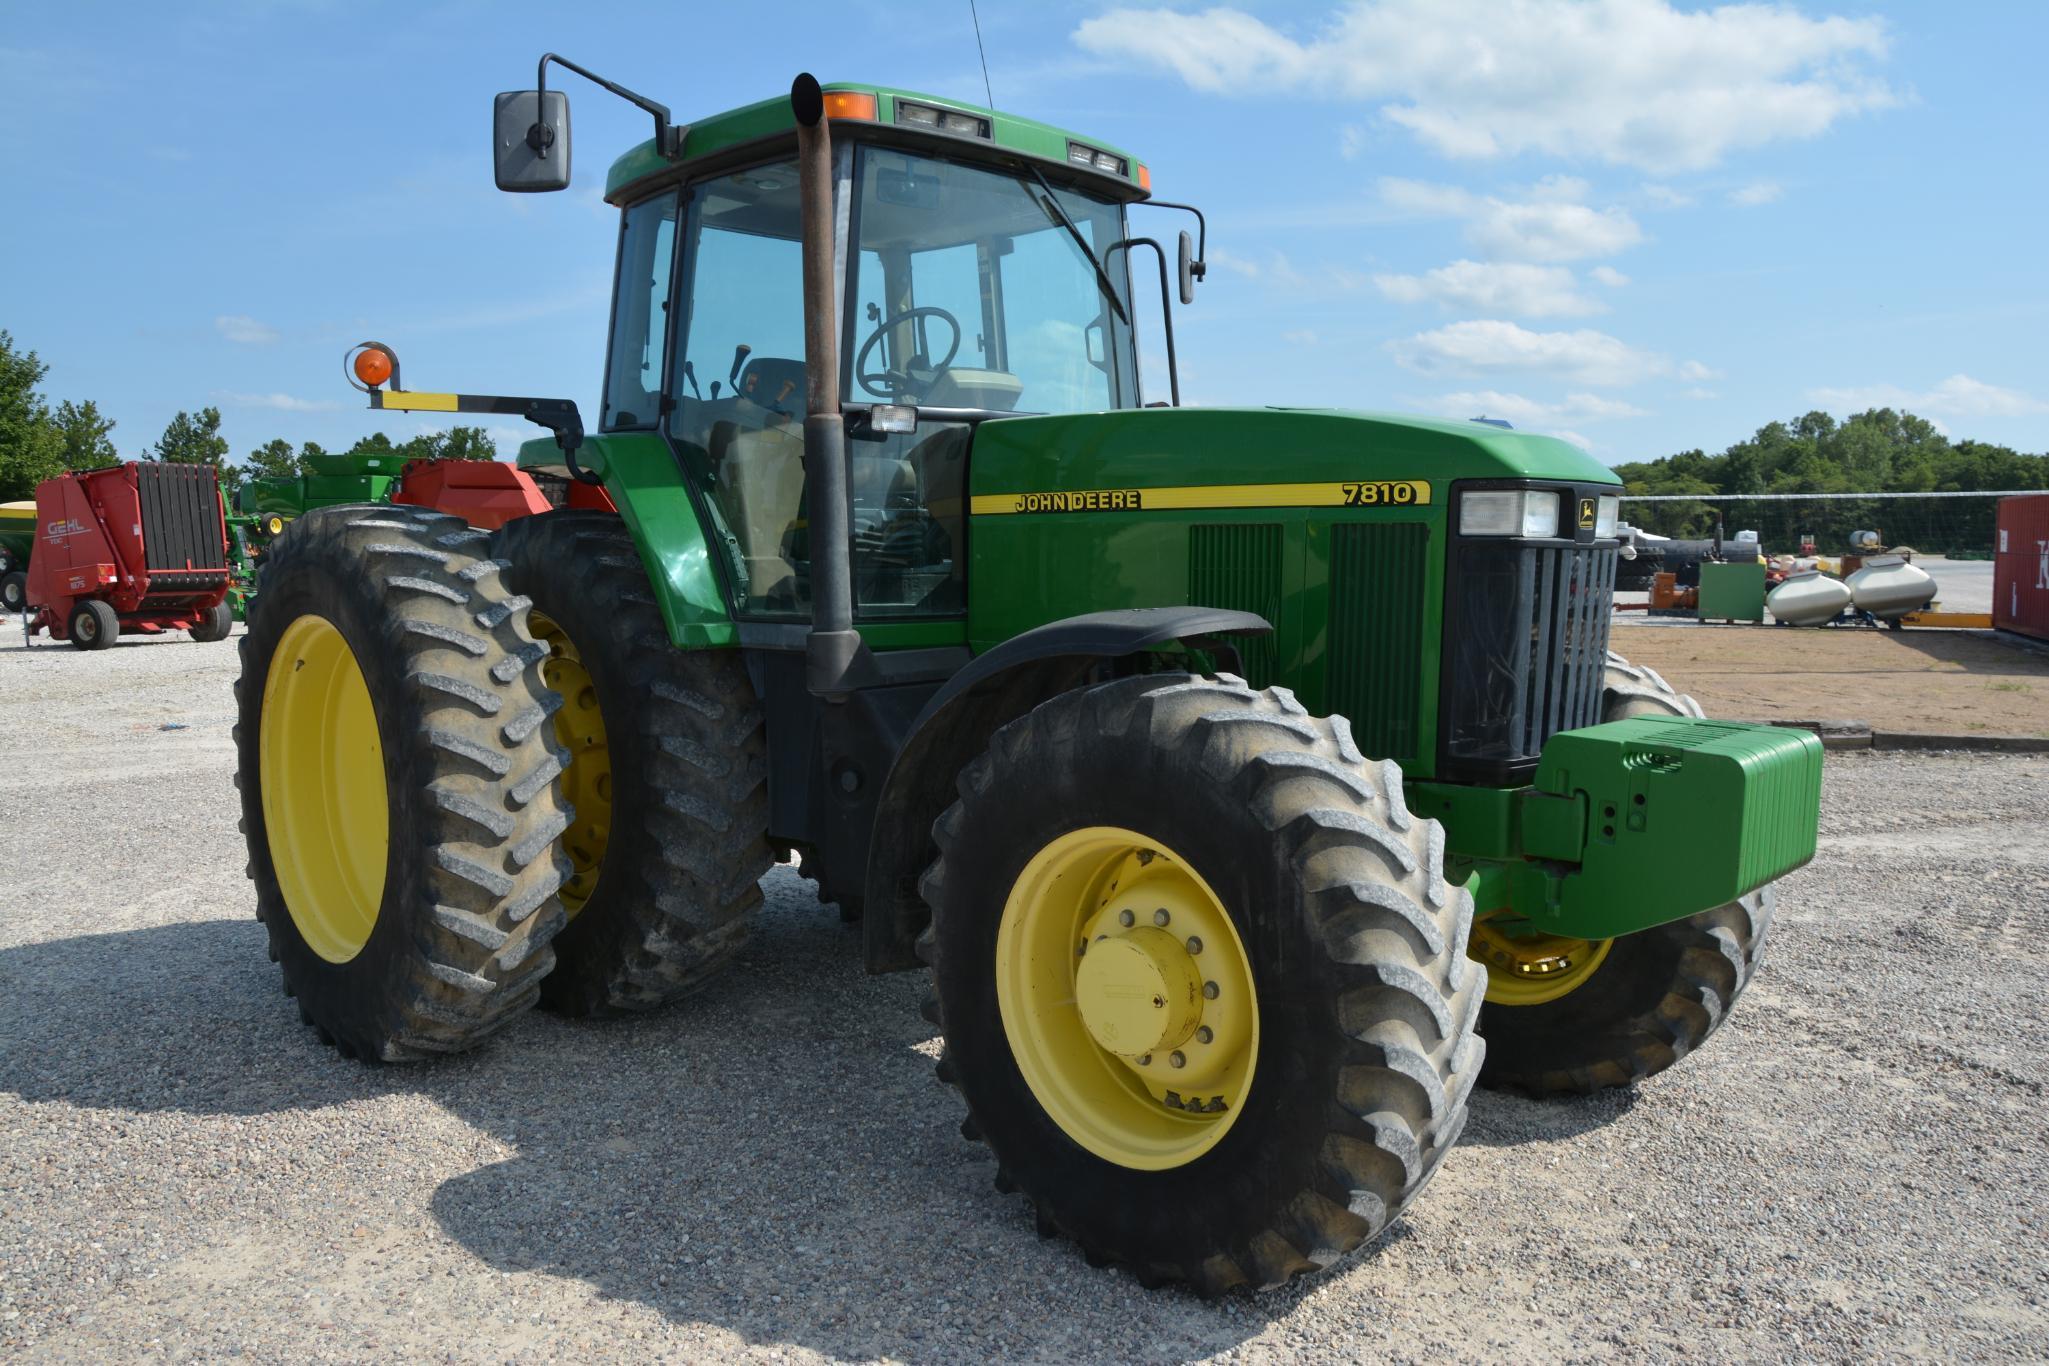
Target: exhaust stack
833,644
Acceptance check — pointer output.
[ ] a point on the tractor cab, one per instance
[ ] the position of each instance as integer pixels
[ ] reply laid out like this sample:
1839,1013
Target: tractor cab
981,270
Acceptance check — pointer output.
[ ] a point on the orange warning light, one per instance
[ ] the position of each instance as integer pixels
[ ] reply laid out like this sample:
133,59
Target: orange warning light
373,366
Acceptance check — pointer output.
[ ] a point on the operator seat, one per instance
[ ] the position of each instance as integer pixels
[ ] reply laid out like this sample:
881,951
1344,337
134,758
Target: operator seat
759,457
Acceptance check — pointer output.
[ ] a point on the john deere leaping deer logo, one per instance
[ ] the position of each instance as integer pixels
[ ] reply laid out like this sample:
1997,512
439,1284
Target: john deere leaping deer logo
1586,514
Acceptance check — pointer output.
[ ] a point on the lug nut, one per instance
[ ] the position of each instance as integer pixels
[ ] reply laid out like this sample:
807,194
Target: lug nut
1160,917
1204,1034
1194,944
1173,1100
1145,1060
1209,991
1177,1059
1125,918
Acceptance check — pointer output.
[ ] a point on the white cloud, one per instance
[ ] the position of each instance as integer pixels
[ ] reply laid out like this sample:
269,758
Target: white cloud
1957,396
1636,82
1492,347
240,327
284,403
1699,393
1693,372
1609,276
1665,197
1756,193
1530,412
1494,287
1546,224
1351,141
1303,337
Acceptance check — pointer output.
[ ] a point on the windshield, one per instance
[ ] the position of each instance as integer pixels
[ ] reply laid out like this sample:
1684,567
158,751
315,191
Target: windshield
970,293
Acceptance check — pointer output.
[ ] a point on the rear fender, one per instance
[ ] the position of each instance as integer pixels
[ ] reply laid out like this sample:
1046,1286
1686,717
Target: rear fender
641,478
1001,685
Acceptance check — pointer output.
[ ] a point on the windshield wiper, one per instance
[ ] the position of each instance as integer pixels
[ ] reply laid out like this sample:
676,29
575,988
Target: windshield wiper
1051,203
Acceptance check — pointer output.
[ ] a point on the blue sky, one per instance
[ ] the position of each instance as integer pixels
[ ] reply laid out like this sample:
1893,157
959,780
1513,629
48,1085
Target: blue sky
1644,225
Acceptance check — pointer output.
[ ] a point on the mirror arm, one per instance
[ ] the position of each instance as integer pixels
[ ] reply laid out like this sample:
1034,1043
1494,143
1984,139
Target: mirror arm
1166,307
668,137
1197,268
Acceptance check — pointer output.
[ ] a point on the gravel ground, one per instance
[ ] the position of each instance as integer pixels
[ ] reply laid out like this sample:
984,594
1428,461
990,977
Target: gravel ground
1853,1168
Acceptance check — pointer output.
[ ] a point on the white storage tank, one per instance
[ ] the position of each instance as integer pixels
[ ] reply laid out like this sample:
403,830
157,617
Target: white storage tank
1888,587
1808,598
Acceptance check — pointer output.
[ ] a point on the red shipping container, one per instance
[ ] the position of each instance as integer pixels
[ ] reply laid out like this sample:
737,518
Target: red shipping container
2020,566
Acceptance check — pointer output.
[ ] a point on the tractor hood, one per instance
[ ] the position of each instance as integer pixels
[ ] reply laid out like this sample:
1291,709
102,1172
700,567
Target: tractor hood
1171,449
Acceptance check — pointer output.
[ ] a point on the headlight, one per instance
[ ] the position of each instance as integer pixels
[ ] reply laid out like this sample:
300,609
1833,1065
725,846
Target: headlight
1508,512
1606,516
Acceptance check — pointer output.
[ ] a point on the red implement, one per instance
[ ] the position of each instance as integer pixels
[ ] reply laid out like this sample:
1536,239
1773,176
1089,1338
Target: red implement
136,547
484,493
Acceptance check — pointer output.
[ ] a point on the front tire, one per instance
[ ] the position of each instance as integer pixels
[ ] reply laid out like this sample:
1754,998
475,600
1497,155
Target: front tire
1629,1007
1317,898
13,592
398,782
667,769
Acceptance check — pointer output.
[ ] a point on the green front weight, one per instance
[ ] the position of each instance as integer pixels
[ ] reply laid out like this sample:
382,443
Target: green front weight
1636,823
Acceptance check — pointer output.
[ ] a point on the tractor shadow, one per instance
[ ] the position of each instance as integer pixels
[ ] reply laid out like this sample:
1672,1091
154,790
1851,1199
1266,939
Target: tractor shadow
774,1157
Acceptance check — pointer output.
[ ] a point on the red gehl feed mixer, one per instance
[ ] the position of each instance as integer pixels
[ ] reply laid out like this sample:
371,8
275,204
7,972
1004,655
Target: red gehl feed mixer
136,547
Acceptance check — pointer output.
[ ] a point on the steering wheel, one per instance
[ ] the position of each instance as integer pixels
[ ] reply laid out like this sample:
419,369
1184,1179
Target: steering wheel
898,383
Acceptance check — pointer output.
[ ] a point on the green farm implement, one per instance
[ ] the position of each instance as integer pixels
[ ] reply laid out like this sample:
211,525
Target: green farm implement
1251,783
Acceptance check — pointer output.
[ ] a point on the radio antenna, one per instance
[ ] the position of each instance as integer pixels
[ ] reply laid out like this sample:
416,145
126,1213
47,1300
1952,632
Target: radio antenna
982,53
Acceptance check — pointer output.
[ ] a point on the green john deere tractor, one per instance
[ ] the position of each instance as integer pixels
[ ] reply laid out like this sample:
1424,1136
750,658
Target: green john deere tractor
1251,782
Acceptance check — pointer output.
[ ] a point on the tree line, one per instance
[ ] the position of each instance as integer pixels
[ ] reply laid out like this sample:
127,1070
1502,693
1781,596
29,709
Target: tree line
38,440
1879,451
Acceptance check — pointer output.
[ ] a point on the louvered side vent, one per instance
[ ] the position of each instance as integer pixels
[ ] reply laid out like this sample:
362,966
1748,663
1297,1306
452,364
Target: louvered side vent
1375,660
1238,567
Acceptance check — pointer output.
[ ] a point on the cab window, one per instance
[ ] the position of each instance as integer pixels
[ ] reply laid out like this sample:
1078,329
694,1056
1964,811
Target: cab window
971,292
640,315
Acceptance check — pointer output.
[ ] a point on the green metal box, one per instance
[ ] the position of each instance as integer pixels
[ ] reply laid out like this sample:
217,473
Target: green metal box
1665,816
1731,592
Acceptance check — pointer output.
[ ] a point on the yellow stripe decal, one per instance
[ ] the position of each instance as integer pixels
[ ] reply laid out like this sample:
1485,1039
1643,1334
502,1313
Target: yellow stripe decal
413,402
1362,494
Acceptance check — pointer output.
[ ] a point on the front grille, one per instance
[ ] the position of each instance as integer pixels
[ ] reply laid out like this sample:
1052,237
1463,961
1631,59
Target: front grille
1526,640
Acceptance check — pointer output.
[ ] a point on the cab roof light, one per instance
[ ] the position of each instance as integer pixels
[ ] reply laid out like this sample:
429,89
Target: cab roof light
1081,154
942,120
850,104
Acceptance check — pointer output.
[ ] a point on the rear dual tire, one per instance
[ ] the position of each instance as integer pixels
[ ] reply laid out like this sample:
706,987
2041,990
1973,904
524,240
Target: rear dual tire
667,765
397,776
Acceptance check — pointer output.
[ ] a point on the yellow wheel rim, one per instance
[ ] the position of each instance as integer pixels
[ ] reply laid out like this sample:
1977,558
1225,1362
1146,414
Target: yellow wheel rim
580,729
1127,998
325,809
1526,967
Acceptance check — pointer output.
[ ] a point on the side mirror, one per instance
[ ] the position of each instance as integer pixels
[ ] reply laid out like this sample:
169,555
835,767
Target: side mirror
530,140
1191,269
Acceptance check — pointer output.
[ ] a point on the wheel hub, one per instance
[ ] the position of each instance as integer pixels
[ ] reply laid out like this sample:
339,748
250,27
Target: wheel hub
1127,998
1139,992
1526,967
